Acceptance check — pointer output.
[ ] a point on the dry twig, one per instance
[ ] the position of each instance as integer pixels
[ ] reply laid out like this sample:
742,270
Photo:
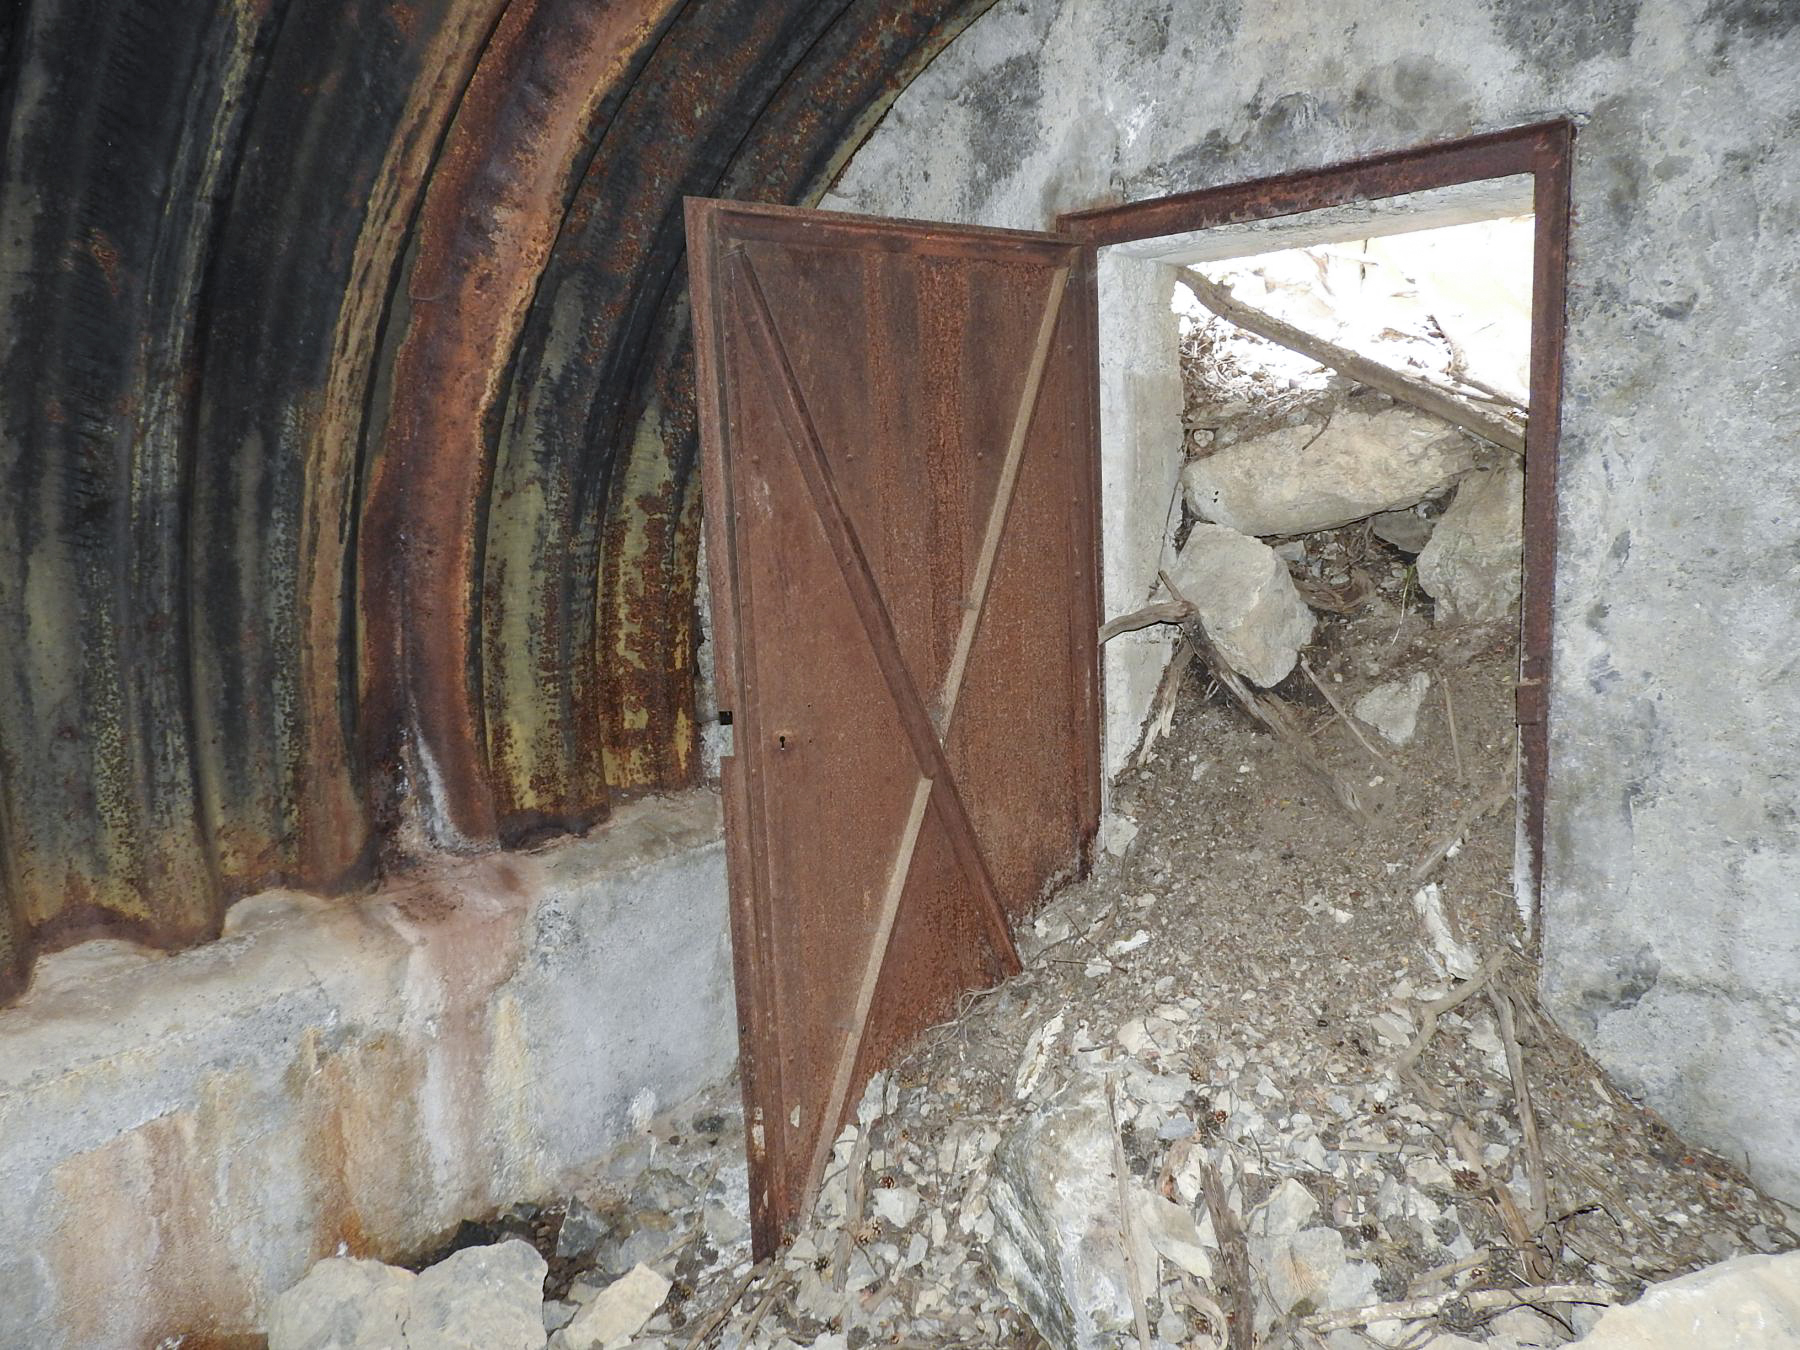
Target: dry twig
1162,708
853,1204
1234,1260
1348,720
1162,611
1474,811
1134,1278
716,1319
1534,1149
1476,1301
1274,717
1518,1230
1438,1274
1450,716
1428,1021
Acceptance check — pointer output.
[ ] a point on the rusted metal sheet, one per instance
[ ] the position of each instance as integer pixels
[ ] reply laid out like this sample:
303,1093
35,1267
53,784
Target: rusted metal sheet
1543,150
898,423
596,450
490,217
280,510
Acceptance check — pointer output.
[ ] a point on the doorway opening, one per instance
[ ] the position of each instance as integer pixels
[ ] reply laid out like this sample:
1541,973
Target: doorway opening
1350,355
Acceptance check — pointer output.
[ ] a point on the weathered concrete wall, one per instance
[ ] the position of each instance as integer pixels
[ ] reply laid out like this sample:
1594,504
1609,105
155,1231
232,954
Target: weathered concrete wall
1140,426
181,1136
1671,909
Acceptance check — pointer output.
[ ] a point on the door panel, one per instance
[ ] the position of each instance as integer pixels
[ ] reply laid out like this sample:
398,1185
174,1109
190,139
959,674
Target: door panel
899,460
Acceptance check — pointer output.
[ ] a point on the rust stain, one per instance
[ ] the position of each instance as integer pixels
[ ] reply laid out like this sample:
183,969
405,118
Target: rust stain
333,826
490,217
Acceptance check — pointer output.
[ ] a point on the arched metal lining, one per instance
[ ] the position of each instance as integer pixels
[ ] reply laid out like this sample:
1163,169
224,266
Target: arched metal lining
346,420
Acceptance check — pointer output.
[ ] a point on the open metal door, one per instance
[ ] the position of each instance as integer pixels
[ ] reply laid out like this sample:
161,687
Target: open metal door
900,464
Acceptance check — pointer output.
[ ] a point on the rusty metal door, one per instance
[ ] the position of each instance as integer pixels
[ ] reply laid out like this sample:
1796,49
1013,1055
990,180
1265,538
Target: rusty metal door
899,455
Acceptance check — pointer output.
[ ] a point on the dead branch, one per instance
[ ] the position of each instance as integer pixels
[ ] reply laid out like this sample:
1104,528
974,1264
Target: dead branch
1476,1301
1273,714
854,1177
1234,1260
1163,611
1482,422
1450,717
1449,1271
1348,720
1534,1150
1518,1230
1459,371
1162,707
717,1317
1474,811
1134,1278
1428,1022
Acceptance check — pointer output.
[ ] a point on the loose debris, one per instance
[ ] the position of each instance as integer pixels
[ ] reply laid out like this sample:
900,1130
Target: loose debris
1336,1129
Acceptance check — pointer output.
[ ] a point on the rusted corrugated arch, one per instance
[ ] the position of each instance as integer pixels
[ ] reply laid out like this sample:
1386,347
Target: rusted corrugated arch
346,420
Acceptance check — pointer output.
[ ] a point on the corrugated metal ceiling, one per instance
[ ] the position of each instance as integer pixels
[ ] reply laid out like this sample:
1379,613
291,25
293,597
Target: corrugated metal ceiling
346,420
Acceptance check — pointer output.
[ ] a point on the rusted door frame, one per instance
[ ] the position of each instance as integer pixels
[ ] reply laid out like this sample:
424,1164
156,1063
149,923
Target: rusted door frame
1543,150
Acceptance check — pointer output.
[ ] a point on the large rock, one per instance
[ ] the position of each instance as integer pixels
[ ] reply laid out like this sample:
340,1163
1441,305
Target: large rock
1247,601
618,1313
1472,565
1747,1303
343,1304
1057,1224
1301,478
481,1298
1302,1269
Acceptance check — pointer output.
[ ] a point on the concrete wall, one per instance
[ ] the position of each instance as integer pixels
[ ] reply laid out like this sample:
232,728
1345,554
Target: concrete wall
180,1136
1672,888
1140,428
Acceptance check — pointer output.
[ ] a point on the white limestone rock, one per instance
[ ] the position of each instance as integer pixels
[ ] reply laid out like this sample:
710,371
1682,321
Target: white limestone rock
1247,602
617,1313
1393,708
1056,1241
1303,478
1747,1303
481,1298
1172,1233
1472,566
1308,1271
1289,1208
343,1304
1116,834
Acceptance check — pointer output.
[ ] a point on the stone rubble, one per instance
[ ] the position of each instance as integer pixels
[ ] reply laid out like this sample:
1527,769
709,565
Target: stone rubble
1472,564
1365,459
480,1298
1247,602
1747,1303
1393,708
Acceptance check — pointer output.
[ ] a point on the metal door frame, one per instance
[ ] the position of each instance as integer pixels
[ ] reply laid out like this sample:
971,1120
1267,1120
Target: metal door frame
1543,150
